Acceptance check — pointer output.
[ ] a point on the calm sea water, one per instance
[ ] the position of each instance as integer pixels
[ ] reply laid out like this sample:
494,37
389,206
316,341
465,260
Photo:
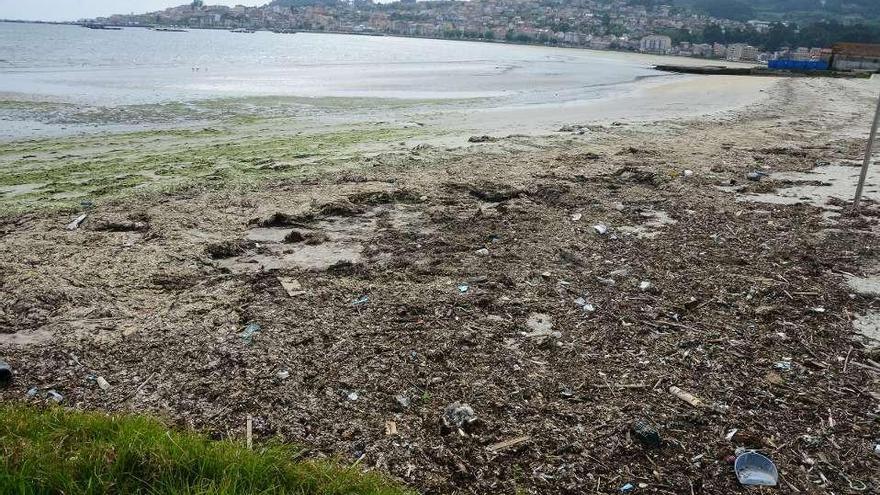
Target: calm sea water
137,65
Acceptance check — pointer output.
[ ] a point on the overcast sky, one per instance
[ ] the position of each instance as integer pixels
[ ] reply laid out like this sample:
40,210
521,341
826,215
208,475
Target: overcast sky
71,10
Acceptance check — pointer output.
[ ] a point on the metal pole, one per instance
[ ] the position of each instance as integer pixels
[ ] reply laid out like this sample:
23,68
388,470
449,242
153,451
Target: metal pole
868,153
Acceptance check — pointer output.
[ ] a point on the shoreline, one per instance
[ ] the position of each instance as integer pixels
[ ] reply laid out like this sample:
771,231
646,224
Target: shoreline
136,161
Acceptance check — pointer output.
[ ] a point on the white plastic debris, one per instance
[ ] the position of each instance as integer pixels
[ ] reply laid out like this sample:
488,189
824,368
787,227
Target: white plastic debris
783,365
600,229
283,375
644,285
483,252
576,216
291,286
102,383
76,222
754,469
352,396
458,415
585,305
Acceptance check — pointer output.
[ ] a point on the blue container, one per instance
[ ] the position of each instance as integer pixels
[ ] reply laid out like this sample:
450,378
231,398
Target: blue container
805,65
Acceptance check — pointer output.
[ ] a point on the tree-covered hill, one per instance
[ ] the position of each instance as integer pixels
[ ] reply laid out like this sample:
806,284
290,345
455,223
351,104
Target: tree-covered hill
793,10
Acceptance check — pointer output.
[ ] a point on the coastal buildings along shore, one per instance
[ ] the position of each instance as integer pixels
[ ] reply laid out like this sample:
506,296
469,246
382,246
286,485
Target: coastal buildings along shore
595,24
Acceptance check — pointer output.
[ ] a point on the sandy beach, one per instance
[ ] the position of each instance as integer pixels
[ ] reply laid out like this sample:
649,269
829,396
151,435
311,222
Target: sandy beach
332,268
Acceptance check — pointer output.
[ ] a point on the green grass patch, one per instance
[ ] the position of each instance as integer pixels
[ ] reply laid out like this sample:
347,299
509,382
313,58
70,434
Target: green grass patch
56,451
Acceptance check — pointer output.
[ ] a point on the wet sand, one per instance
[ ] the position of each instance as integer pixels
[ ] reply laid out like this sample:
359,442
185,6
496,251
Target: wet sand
654,99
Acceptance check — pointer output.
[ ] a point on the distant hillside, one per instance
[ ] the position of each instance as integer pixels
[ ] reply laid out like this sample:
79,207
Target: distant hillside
304,3
794,10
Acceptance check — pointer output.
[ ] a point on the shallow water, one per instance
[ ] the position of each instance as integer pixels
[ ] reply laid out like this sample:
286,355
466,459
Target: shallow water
137,65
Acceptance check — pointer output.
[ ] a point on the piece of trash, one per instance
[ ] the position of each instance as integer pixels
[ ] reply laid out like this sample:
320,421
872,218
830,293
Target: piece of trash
644,285
730,434
361,301
541,326
782,365
462,288
687,397
483,252
5,374
627,488
586,306
52,394
818,310
576,217
102,383
877,449
458,416
620,273
249,331
283,375
646,434
600,229
495,447
567,393
688,173
291,286
755,175
390,428
402,401
352,396
755,469
77,222
32,392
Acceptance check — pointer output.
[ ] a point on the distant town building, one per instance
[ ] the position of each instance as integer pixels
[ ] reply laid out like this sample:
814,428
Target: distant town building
855,56
741,51
656,44
801,53
702,50
760,26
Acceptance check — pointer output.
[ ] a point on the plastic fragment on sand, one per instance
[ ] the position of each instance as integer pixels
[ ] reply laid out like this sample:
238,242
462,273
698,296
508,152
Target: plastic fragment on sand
495,447
691,399
102,383
291,286
77,221
249,331
754,469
